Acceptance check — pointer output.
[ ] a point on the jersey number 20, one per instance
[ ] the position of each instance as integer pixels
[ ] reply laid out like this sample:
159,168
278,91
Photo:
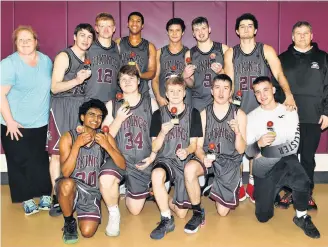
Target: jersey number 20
90,179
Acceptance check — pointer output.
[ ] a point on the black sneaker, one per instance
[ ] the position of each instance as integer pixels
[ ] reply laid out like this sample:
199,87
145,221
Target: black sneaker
197,220
306,224
151,197
70,235
285,201
55,209
312,205
206,189
165,226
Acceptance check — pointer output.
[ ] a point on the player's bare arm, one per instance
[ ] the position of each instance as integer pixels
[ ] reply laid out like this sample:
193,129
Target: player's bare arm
240,143
275,66
188,72
225,48
151,71
192,146
228,65
115,123
157,143
68,152
61,65
155,82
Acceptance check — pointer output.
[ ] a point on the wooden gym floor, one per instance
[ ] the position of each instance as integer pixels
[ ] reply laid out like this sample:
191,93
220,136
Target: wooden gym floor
239,229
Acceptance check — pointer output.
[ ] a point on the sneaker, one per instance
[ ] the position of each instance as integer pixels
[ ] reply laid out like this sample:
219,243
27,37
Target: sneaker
285,201
242,193
312,205
165,226
70,235
306,224
250,192
30,207
55,209
113,226
45,203
197,220
207,190
151,197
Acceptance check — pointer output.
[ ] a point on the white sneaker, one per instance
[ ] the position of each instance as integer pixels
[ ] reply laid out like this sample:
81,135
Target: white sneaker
113,226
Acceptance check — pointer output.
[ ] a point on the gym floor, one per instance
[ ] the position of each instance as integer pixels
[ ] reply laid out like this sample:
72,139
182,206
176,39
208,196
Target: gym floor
239,229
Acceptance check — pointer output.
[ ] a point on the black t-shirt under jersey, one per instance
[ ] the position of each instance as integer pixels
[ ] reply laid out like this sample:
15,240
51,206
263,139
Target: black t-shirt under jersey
195,128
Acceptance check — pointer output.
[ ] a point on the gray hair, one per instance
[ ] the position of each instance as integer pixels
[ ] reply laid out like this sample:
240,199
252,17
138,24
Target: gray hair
301,24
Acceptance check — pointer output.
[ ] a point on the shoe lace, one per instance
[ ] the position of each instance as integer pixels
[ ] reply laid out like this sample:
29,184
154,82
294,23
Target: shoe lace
70,227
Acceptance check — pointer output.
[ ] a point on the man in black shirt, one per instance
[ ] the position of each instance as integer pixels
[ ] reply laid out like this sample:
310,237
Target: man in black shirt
305,67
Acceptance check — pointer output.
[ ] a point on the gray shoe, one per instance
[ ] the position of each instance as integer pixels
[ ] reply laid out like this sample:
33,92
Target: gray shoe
55,209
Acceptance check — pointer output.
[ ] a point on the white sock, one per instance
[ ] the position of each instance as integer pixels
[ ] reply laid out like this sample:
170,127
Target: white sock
241,182
300,214
251,180
166,214
113,209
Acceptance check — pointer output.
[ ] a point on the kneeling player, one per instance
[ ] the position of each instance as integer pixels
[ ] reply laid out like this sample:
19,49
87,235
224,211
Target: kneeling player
174,128
129,119
81,157
225,129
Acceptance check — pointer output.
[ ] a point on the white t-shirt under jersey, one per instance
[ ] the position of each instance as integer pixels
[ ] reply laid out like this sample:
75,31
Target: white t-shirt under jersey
285,124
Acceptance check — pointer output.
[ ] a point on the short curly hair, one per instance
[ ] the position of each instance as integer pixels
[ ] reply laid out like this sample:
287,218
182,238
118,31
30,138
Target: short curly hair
93,103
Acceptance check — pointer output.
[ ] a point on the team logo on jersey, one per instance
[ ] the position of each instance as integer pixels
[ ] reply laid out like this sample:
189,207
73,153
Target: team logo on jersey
315,65
281,116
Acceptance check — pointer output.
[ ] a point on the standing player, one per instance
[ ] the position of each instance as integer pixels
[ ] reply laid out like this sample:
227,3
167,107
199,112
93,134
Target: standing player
136,50
174,143
68,92
244,63
206,62
81,157
129,124
170,60
225,133
105,61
